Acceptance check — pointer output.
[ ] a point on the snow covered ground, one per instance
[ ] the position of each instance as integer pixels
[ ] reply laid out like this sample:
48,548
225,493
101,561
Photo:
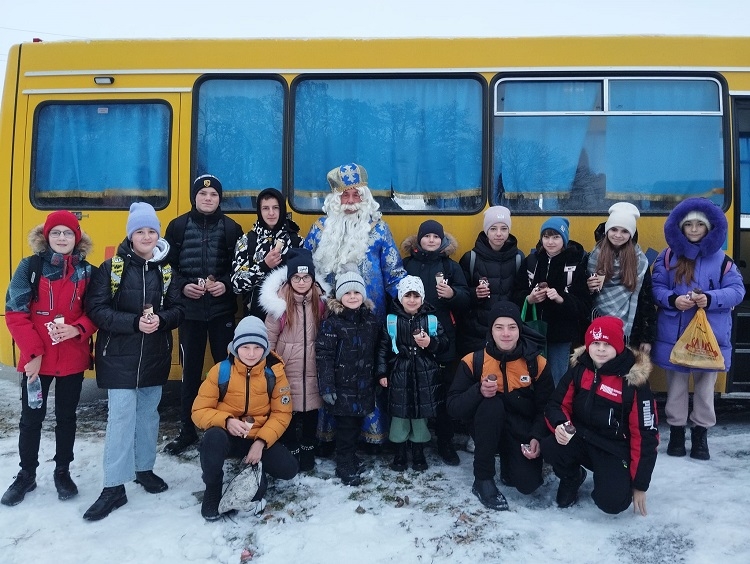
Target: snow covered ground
697,510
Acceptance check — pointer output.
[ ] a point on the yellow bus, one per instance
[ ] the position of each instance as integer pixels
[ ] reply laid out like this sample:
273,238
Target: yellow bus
445,127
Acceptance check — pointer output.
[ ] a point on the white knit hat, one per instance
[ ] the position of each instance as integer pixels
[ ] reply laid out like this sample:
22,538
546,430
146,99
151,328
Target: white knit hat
350,282
410,284
622,214
696,215
496,214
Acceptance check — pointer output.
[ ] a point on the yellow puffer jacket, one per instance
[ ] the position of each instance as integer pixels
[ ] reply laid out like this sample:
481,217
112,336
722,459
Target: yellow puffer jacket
247,394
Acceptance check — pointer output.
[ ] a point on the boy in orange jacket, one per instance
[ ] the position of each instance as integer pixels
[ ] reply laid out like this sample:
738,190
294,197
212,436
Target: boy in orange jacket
244,419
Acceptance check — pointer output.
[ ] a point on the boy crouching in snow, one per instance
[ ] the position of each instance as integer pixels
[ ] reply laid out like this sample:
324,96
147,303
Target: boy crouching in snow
603,415
243,419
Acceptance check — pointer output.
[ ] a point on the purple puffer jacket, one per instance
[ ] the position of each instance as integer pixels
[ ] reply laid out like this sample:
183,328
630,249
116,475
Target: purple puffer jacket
724,292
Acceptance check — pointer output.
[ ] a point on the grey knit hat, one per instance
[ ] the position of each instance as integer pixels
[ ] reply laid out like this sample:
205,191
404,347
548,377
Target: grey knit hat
348,282
142,215
250,330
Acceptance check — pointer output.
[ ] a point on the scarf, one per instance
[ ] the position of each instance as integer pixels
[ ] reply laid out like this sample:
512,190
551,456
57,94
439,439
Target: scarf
615,299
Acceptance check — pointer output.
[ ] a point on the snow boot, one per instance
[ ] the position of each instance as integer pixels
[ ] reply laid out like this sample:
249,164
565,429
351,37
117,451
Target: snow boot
567,491
699,447
109,500
150,482
210,504
306,458
448,453
64,484
418,460
183,441
24,483
676,446
348,474
399,458
489,495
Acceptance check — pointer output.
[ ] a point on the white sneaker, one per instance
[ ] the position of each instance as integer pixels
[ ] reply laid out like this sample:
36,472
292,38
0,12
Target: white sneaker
470,445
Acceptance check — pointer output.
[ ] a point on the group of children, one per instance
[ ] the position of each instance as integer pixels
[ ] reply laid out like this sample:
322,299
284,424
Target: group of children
336,353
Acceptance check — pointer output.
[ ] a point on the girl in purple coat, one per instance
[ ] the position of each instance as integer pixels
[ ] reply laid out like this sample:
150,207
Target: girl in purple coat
695,232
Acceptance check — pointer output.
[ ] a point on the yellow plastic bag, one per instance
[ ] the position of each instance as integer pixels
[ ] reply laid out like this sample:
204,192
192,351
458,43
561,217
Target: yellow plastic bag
697,347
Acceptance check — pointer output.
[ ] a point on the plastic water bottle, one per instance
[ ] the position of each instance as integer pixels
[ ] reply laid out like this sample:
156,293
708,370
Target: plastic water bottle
34,390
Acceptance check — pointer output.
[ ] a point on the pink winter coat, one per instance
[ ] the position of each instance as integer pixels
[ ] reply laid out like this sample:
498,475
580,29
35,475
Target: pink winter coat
294,343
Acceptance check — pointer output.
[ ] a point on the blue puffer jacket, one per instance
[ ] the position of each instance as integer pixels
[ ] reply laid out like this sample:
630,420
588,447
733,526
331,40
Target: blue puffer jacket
724,291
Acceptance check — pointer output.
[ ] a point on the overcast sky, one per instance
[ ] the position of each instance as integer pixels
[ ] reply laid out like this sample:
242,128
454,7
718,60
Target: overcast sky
54,20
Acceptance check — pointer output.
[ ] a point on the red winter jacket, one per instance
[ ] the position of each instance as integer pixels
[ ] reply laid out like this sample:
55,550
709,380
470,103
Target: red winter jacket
62,288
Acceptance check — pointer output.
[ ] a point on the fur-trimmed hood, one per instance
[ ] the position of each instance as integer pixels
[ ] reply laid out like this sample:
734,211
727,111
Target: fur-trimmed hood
711,243
269,299
39,244
410,246
337,308
638,374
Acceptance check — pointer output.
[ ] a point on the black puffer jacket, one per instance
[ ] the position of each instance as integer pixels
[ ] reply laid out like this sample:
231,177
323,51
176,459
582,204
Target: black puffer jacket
345,357
413,374
524,383
612,407
126,358
204,251
425,264
500,268
566,273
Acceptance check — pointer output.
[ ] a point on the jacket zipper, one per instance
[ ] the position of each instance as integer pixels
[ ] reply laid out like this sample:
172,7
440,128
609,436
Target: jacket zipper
304,354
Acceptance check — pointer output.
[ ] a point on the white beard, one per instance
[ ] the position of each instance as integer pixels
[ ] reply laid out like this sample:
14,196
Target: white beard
345,239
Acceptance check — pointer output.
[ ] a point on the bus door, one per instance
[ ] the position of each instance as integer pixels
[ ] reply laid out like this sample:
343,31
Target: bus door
95,156
738,379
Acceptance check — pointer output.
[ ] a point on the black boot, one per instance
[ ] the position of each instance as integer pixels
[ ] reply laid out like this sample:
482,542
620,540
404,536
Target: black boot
306,458
24,483
676,446
150,482
418,461
64,484
186,438
699,440
567,491
109,500
210,505
399,458
448,453
348,474
489,495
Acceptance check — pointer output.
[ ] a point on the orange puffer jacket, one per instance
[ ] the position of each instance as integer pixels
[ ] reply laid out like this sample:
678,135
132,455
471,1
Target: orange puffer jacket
247,394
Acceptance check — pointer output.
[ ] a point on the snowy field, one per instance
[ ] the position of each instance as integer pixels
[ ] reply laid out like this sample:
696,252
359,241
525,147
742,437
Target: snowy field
697,510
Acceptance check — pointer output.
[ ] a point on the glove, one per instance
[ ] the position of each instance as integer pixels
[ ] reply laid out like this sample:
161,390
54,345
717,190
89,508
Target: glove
330,399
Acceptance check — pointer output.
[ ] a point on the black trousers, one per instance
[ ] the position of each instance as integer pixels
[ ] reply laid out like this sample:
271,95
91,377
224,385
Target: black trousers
301,430
217,445
347,437
612,485
193,334
491,435
67,394
444,427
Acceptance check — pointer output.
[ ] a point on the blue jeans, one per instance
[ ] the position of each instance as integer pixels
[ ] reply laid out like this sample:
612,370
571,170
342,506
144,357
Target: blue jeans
558,357
132,433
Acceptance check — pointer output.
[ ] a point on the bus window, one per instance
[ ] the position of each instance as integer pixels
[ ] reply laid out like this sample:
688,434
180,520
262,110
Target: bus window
580,145
240,136
420,139
101,155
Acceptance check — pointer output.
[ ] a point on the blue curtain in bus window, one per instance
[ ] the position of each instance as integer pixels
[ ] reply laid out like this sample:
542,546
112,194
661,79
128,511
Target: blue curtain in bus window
538,156
419,139
240,137
745,175
102,154
664,158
